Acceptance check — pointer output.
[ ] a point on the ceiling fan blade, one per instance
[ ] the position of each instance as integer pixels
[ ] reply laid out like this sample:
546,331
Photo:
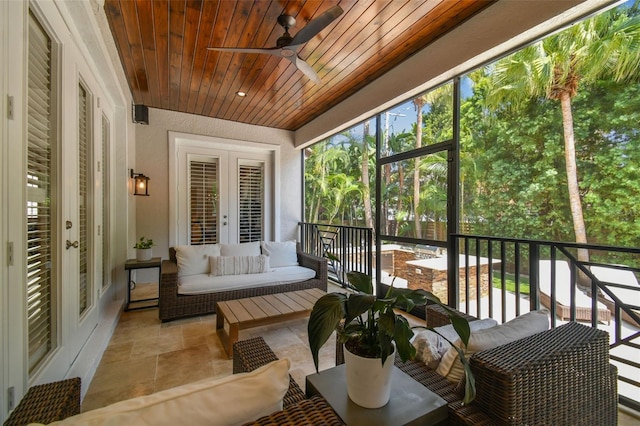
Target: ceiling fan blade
305,68
316,25
269,51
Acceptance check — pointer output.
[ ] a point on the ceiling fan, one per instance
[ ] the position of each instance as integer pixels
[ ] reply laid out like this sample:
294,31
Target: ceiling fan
287,46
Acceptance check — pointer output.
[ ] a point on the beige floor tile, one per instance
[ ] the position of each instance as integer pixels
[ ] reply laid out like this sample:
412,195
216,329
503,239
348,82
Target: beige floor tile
183,366
116,374
131,334
155,345
99,399
142,318
117,352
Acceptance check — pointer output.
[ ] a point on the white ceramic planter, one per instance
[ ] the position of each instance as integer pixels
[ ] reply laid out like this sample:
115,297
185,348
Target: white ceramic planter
368,381
143,254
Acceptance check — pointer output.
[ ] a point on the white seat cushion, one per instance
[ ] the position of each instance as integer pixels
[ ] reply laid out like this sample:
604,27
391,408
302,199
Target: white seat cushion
563,285
232,400
205,283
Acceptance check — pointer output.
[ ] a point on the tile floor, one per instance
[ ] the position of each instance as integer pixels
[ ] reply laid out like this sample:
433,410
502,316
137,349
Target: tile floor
146,356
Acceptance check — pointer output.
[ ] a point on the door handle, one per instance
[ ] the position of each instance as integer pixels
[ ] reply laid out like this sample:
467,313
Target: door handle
72,244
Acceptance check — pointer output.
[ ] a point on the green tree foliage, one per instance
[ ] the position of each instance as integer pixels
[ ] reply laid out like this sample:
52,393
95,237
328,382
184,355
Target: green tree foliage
513,181
561,67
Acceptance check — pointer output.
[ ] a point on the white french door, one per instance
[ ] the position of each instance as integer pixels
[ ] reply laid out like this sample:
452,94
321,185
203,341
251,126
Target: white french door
64,187
83,244
220,196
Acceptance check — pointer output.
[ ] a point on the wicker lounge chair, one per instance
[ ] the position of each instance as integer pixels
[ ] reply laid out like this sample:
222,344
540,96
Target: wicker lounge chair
629,295
47,403
523,382
563,285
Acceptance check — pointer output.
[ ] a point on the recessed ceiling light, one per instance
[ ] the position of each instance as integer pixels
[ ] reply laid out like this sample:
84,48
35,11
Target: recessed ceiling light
241,93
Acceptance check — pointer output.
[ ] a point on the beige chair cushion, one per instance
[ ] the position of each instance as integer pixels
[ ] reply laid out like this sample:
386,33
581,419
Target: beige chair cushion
232,400
523,326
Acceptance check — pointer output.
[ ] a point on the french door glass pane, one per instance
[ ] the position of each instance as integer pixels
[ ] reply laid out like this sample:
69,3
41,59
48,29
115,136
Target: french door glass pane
204,198
83,197
40,197
251,202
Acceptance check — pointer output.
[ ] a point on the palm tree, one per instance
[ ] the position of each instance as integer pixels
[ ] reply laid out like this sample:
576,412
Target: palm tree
323,160
605,46
366,188
419,103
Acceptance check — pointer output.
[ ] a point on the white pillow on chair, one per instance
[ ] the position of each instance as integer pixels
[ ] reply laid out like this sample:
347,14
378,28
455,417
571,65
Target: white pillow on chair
431,347
522,326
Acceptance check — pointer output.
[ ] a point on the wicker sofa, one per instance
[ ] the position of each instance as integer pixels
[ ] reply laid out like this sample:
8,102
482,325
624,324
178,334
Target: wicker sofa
560,376
172,305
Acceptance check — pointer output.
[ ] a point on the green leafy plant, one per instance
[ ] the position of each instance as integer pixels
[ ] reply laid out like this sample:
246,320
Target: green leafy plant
143,243
369,327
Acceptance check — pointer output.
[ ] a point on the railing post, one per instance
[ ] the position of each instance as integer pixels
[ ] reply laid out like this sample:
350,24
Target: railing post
453,276
534,275
369,237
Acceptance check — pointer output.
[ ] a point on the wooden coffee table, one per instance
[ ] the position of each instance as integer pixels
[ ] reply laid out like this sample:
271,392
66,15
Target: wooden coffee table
256,311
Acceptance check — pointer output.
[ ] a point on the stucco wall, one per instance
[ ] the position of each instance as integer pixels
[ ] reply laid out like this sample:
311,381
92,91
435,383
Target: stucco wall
152,159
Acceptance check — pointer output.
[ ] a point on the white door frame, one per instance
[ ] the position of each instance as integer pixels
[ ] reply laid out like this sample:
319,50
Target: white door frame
181,144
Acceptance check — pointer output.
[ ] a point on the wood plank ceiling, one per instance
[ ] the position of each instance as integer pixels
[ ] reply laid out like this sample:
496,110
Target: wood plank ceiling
163,49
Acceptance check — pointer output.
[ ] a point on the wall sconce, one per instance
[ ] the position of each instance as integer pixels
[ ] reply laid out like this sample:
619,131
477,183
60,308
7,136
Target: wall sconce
140,184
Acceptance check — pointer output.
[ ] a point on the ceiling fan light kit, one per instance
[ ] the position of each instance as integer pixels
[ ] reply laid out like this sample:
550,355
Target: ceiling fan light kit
287,47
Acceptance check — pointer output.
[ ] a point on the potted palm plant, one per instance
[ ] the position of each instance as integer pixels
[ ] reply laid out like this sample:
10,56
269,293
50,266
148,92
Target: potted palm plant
371,330
143,249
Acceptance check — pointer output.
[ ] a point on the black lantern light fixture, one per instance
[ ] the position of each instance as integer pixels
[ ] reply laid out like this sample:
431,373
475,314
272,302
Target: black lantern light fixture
140,184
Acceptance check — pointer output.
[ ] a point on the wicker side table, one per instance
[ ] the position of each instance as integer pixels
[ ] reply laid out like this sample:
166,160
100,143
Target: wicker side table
47,403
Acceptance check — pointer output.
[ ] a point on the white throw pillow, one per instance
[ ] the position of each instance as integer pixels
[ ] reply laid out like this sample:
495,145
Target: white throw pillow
238,265
431,347
280,253
242,249
193,260
232,400
523,326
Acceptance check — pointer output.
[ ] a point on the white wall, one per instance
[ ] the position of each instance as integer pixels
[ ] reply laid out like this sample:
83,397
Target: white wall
152,159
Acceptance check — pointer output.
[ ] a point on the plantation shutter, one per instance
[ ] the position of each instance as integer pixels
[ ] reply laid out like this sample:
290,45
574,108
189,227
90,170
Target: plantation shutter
251,202
39,181
203,197
83,196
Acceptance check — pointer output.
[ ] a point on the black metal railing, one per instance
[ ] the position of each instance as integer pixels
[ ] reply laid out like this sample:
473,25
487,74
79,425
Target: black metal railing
557,276
352,245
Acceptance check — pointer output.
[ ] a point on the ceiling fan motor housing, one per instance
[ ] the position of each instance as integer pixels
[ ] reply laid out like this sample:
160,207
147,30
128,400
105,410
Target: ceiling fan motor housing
286,21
